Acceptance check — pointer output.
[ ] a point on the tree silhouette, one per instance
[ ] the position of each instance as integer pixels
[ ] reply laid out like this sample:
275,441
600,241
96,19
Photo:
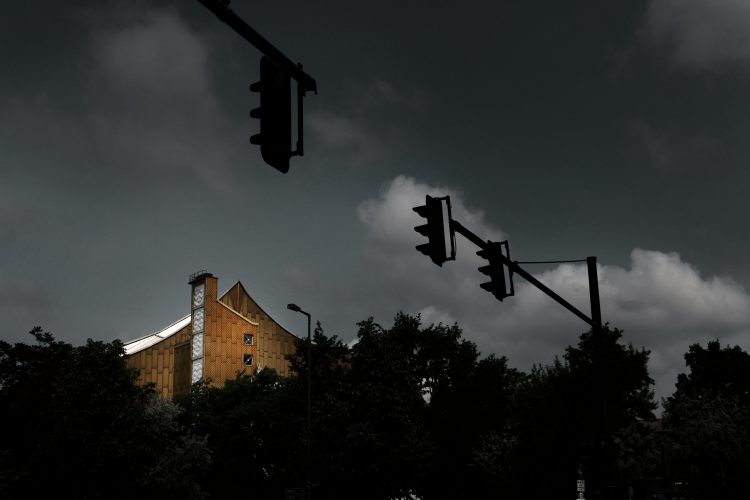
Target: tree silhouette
707,422
76,424
567,415
407,410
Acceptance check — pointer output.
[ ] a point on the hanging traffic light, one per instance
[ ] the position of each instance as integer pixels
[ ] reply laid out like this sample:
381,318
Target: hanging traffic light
497,286
432,210
275,114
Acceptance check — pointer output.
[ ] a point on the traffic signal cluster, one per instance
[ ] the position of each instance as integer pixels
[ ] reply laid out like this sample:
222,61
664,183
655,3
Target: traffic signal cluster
275,115
496,254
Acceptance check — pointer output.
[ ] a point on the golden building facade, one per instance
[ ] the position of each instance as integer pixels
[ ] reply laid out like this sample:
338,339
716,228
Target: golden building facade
223,334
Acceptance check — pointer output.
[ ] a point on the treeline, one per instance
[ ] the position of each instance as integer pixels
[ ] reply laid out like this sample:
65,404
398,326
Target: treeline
410,411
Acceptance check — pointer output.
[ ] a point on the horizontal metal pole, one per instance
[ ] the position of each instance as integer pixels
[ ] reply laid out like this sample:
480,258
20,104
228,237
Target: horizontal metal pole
225,14
515,268
460,229
528,277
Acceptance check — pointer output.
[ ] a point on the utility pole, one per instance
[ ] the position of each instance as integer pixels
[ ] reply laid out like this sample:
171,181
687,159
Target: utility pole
489,249
596,312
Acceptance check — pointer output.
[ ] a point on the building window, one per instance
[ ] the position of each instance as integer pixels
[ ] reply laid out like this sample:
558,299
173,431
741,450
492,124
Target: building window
248,339
247,360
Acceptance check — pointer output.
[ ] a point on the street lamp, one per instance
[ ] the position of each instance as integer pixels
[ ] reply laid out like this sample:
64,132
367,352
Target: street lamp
296,308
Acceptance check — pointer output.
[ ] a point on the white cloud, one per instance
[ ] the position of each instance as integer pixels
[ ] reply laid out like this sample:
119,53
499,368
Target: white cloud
661,302
390,221
431,315
700,34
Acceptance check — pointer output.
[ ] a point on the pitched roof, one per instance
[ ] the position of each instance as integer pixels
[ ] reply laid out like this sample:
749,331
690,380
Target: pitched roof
142,343
147,341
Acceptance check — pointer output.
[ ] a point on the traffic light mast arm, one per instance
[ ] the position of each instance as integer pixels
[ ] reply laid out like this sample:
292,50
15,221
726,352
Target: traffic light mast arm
459,228
224,13
515,268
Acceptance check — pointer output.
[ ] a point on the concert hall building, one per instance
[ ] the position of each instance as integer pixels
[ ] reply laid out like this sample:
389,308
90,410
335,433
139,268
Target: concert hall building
221,335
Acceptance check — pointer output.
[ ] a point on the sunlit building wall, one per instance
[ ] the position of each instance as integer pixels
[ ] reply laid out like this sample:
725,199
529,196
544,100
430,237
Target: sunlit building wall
222,334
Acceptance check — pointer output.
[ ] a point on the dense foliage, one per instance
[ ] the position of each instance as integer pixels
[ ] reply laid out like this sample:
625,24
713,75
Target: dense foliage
75,425
408,411
707,423
568,414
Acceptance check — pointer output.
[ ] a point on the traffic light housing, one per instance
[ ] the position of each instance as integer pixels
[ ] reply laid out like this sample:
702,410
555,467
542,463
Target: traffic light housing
494,253
275,114
432,210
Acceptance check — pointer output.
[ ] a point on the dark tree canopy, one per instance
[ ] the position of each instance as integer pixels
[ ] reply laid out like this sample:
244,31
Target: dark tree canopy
409,409
252,425
401,412
707,422
567,414
616,388
715,371
81,428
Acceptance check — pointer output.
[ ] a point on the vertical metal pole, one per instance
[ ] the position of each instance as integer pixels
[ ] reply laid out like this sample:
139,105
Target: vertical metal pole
598,342
596,311
309,406
308,430
599,346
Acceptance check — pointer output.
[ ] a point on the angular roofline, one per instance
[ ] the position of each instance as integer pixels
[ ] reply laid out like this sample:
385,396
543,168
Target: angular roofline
146,341
237,313
238,282
141,343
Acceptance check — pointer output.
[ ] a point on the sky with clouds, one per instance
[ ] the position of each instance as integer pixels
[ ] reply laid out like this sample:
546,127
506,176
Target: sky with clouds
614,129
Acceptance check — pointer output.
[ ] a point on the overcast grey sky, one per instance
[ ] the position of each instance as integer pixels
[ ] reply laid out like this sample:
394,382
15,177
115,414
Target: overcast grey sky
616,129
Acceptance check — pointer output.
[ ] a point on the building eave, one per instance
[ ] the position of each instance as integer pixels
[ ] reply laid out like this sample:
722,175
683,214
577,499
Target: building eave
147,341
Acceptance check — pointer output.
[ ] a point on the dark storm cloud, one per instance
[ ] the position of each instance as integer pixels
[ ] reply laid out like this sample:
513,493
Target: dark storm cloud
340,134
20,221
23,294
148,102
11,219
700,35
126,165
671,153
364,126
155,107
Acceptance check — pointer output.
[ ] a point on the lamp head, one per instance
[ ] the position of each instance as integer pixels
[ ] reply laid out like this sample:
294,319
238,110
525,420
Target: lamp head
293,307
